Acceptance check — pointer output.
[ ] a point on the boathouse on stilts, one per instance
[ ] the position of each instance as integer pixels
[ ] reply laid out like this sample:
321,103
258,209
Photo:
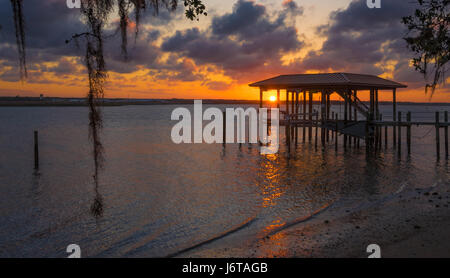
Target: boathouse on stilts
359,121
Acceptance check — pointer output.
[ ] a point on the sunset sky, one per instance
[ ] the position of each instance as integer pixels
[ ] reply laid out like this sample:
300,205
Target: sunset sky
239,42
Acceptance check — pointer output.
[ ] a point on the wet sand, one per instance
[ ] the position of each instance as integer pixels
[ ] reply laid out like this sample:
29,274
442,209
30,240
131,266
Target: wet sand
414,223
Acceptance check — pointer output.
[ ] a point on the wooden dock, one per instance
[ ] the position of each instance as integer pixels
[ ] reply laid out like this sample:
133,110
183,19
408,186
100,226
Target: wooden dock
359,122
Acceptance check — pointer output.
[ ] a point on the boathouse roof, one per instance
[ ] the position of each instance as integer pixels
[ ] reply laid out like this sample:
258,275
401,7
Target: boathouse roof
327,80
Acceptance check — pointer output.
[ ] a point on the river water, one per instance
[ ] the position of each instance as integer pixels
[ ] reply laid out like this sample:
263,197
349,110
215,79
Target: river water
160,199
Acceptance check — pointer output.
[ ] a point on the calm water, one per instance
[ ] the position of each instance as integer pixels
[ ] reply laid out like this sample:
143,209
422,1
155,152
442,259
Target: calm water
161,198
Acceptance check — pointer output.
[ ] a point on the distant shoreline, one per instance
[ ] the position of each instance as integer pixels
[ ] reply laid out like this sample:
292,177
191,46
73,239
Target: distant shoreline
77,102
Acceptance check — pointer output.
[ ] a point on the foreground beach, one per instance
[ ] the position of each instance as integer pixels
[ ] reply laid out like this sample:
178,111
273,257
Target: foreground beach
413,223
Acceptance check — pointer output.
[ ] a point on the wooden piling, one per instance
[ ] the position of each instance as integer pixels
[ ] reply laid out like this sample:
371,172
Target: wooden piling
394,117
293,112
328,114
350,116
287,102
288,132
310,115
36,151
376,134
332,133
261,98
399,124
438,138
317,130
408,132
278,98
345,119
355,94
380,131
385,136
446,133
304,116
322,118
297,95
336,135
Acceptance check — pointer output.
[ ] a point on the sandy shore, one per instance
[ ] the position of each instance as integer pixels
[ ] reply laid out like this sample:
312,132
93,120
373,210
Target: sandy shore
410,223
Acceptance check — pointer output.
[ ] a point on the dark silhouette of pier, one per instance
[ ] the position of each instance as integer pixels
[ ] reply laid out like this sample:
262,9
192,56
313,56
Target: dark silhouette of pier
360,122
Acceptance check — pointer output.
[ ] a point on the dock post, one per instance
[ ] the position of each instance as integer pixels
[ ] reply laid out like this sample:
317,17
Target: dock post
225,128
317,130
278,98
328,114
332,133
394,115
304,116
345,118
322,118
350,116
408,132
336,133
446,133
385,136
381,131
399,123
292,112
376,134
310,115
438,143
367,137
36,151
297,94
355,114
288,133
261,92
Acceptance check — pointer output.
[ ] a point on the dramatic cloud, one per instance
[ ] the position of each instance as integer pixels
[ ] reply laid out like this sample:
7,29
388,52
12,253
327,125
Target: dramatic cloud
365,40
241,42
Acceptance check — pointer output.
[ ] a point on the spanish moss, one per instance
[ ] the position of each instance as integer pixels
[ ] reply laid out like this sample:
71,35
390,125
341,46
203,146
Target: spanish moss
95,14
19,24
429,40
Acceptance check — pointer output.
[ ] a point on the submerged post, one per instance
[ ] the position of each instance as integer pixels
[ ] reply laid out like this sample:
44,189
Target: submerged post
336,133
288,133
317,129
408,132
332,133
310,115
328,114
224,127
385,136
345,118
304,116
438,143
380,131
297,94
446,133
399,124
36,151
394,115
322,118
355,94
